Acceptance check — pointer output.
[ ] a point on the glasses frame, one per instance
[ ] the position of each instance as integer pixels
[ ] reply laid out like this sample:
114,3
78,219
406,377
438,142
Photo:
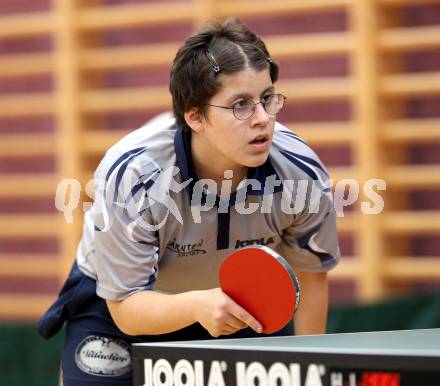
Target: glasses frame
254,107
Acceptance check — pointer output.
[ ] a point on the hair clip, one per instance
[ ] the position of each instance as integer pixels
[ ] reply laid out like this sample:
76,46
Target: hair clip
269,59
216,67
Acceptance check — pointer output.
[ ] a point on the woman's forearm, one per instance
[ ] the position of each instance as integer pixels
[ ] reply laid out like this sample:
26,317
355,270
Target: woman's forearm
152,313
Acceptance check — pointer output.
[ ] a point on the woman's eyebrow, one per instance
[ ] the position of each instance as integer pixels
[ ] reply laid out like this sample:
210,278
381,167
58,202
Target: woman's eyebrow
247,95
270,88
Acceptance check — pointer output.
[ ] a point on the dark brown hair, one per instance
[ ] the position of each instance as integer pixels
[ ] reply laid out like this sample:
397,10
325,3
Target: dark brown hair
233,48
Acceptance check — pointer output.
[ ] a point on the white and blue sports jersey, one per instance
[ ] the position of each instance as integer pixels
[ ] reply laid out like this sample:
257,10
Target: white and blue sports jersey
155,225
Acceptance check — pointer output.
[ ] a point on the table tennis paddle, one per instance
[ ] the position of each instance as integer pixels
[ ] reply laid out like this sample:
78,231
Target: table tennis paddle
263,283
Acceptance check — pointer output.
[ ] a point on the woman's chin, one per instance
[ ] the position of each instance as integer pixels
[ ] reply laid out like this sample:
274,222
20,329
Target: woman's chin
256,161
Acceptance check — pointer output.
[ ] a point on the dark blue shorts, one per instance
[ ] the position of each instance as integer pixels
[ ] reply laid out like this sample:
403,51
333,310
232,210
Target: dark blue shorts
95,351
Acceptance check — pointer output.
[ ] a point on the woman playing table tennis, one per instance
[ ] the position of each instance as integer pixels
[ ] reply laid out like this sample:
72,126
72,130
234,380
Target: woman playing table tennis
174,198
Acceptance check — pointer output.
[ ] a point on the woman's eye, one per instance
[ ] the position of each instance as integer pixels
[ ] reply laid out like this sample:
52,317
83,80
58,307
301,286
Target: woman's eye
266,98
241,104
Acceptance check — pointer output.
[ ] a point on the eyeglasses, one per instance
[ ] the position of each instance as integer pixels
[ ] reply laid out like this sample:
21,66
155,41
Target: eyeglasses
245,108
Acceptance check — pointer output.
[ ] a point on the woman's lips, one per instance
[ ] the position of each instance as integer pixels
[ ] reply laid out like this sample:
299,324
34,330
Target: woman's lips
260,143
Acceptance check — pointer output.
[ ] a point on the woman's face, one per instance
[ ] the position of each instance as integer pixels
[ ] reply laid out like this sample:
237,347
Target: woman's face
233,142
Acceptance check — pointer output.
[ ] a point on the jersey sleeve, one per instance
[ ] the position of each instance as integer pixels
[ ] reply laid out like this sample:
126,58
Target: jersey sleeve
311,242
126,242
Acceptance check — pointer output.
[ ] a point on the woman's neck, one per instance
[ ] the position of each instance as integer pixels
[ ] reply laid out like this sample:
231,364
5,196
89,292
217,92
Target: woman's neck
205,167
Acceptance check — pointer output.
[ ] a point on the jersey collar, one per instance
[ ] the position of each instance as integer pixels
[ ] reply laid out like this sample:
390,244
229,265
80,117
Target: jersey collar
182,143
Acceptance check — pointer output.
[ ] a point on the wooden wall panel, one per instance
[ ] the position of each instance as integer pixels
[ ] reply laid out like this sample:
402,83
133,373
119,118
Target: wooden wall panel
363,83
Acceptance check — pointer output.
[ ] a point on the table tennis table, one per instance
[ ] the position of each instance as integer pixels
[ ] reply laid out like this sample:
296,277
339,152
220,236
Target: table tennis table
389,358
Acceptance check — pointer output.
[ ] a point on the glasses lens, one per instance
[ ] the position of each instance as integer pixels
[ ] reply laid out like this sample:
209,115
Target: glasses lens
243,110
274,103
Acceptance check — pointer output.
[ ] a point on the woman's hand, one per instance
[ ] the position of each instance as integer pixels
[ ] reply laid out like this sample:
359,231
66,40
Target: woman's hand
220,315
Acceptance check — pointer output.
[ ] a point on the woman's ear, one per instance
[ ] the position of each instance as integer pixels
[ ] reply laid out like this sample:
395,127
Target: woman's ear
194,120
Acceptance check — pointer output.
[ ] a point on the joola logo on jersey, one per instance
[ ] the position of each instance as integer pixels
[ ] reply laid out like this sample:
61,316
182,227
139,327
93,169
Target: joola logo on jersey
247,243
186,249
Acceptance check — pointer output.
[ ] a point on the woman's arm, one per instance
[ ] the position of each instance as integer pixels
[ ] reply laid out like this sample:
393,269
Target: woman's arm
311,317
153,313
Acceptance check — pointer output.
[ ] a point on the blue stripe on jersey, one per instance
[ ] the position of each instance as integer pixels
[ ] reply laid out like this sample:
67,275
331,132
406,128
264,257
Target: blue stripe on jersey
303,157
292,158
325,259
120,159
294,136
223,229
152,278
122,169
303,242
146,185
310,161
182,145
